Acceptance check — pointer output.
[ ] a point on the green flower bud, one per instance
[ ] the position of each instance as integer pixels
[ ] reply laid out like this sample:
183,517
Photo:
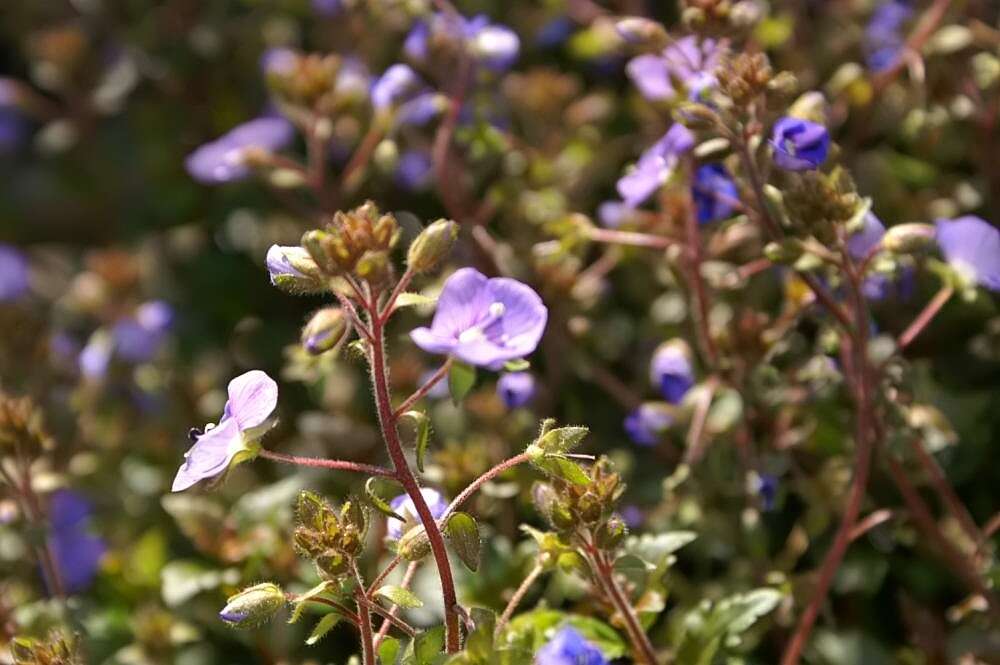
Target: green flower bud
784,252
414,545
643,33
909,238
253,606
325,330
374,267
318,244
611,533
432,245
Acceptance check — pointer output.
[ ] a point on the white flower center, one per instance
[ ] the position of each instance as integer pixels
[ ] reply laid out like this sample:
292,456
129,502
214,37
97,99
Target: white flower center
475,333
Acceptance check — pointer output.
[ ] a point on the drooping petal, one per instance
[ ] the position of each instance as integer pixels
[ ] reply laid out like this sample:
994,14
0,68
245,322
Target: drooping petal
252,398
427,340
210,455
972,246
651,76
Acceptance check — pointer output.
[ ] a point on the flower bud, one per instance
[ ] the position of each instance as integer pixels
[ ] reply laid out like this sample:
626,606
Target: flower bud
696,116
643,33
324,331
611,533
374,267
414,545
432,245
785,252
253,606
386,155
784,83
909,238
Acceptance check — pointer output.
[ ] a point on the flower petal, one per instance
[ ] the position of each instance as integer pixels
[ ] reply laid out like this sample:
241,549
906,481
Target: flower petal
463,303
431,343
524,316
252,397
972,245
209,456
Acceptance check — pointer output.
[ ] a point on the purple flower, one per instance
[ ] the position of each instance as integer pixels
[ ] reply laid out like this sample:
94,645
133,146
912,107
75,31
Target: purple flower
645,424
397,84
516,388
327,7
403,505
281,259
484,322
77,552
568,647
613,214
252,398
421,109
799,145
13,130
137,339
492,45
222,161
14,273
278,60
496,47
865,240
884,33
972,247
96,355
714,192
655,166
684,60
670,370
767,489
554,32
414,170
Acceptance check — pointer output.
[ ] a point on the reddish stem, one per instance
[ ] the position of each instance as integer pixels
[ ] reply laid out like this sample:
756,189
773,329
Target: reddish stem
321,463
925,317
630,238
441,372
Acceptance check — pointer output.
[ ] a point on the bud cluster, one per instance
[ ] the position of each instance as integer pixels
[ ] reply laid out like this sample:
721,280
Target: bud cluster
56,649
309,81
568,506
21,424
744,77
358,242
817,203
329,538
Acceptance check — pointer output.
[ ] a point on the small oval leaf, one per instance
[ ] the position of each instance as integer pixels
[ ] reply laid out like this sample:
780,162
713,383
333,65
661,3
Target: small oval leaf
461,379
379,502
423,425
323,627
397,595
463,533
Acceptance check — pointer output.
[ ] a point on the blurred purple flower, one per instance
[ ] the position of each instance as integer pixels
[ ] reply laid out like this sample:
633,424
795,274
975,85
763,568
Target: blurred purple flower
403,505
496,46
397,84
14,273
715,193
655,166
799,145
670,371
327,7
414,170
77,552
439,390
484,322
569,647
353,79
884,37
492,45
554,32
633,516
137,339
13,130
646,423
221,160
516,388
421,109
971,246
866,239
767,490
684,60
278,60
96,355
613,214
252,397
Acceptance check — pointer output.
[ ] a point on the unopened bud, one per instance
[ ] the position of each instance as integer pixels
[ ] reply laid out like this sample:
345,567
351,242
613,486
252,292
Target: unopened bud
324,331
253,606
432,245
374,267
386,156
611,533
908,238
784,83
745,14
414,545
643,33
696,116
386,231
317,244
785,252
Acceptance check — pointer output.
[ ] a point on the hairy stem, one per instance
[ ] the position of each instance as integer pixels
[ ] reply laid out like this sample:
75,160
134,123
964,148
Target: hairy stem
405,476
321,463
925,317
424,389
516,599
411,570
644,654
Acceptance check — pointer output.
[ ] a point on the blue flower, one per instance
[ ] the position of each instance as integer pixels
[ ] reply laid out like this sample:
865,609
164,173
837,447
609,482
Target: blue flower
884,38
569,647
516,388
14,273
715,193
655,166
972,247
645,424
77,552
686,60
327,7
613,214
403,505
415,170
492,45
767,489
138,338
799,145
670,370
397,84
866,239
221,160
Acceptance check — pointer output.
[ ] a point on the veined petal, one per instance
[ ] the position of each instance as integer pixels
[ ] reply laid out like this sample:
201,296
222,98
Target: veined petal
252,397
462,304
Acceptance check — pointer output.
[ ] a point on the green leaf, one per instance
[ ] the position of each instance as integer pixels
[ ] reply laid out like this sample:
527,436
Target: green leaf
562,439
388,651
428,646
561,467
423,425
531,630
323,627
479,643
303,600
397,595
463,533
519,365
380,503
414,300
461,379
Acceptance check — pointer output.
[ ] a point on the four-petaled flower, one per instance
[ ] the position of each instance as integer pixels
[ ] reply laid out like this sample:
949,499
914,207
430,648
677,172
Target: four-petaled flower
222,160
252,398
799,145
484,322
655,166
686,60
403,505
972,247
516,388
569,647
715,193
